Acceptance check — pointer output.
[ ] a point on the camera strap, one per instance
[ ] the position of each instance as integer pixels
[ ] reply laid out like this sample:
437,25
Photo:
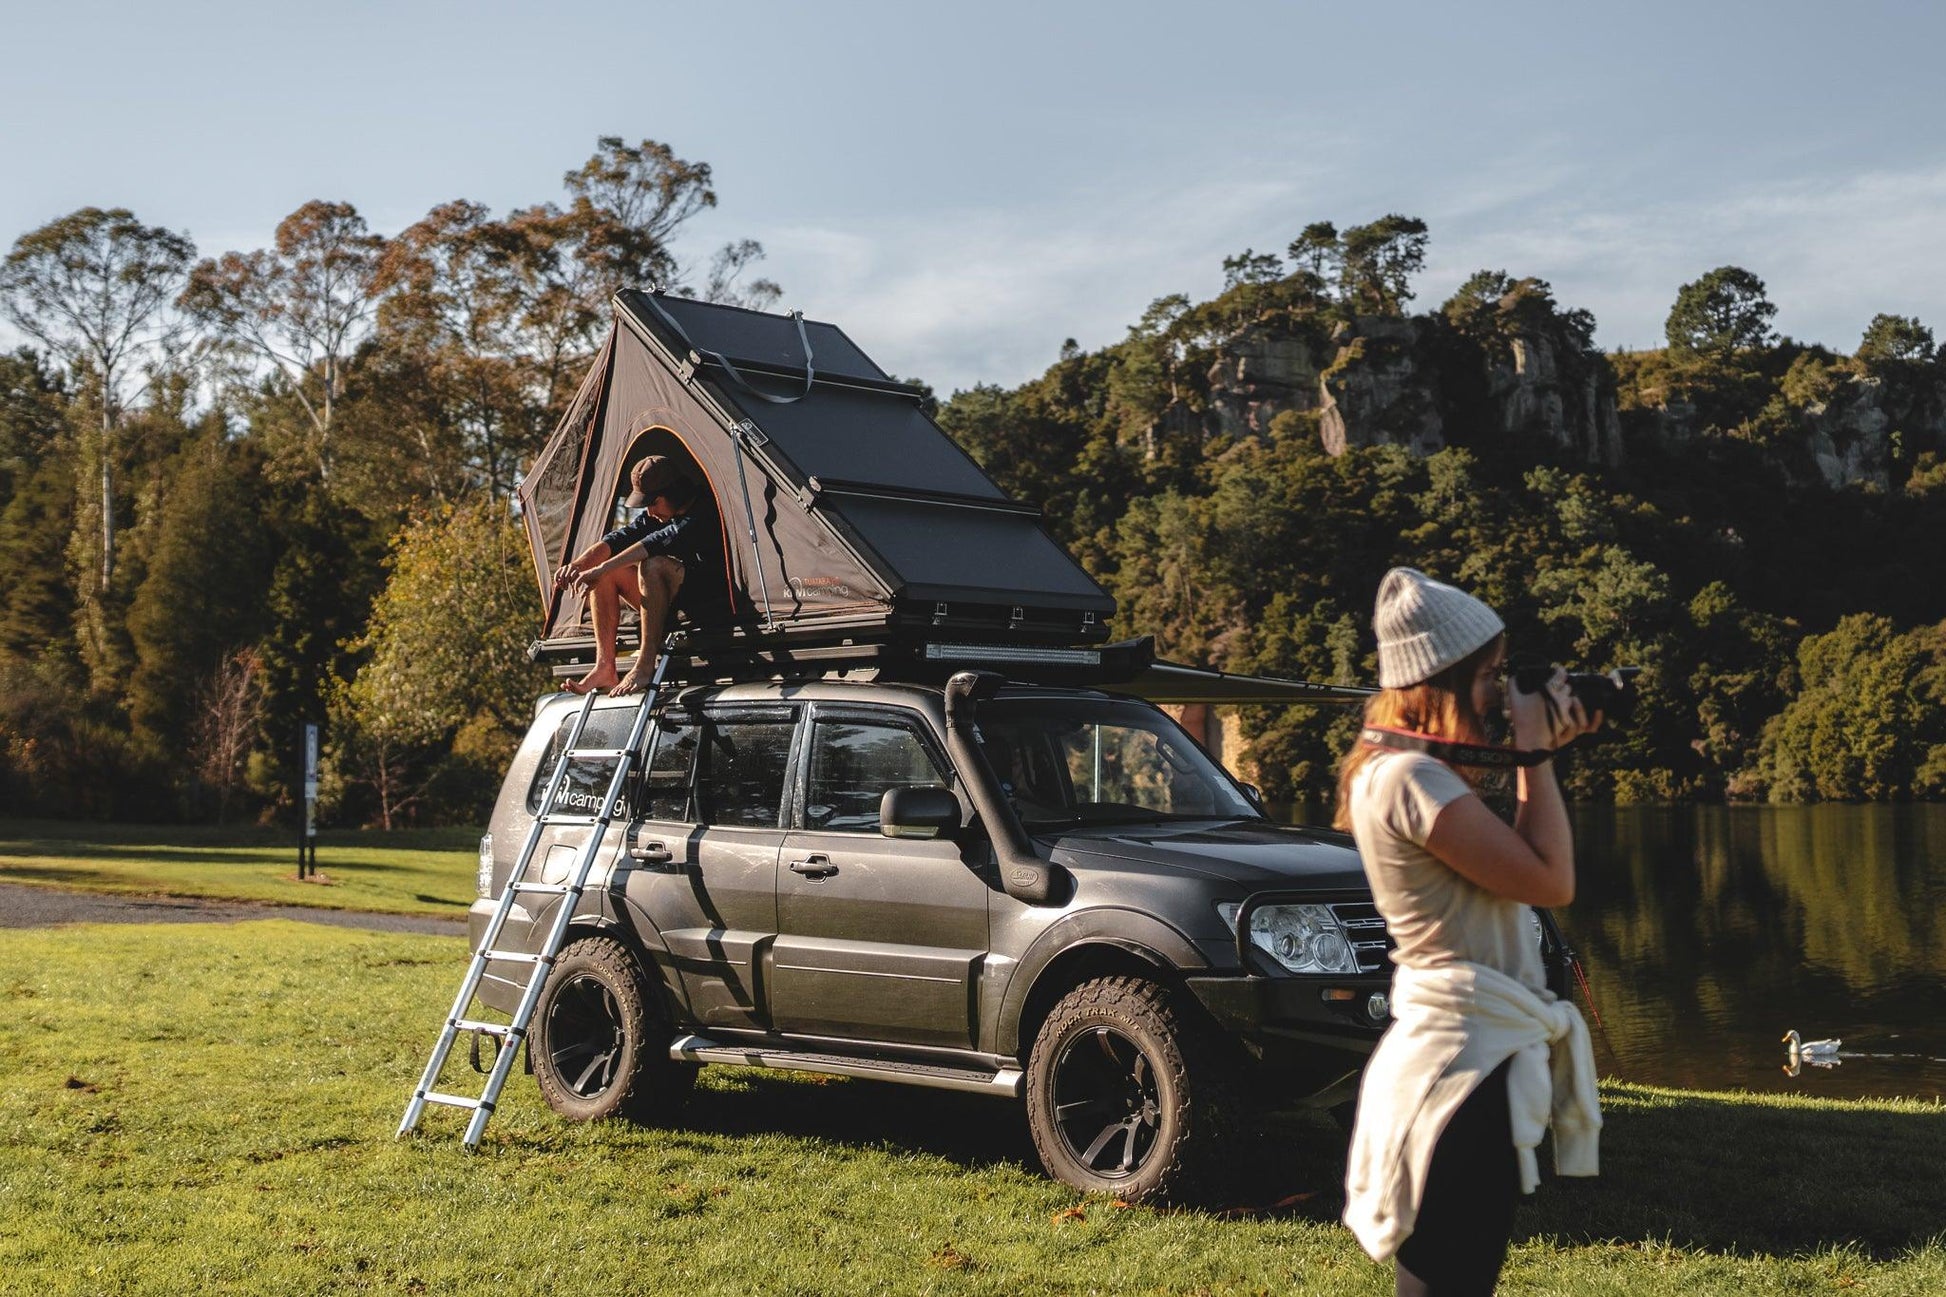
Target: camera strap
1490,755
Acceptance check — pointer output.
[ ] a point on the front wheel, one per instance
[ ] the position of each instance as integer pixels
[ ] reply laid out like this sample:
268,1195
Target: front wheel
600,1043
1113,1103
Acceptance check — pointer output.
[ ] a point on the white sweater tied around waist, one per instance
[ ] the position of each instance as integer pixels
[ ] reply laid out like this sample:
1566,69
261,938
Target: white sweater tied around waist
1453,1025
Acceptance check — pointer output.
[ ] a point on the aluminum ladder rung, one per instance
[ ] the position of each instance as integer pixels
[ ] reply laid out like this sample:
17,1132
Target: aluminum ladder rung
626,759
517,957
504,1030
457,1100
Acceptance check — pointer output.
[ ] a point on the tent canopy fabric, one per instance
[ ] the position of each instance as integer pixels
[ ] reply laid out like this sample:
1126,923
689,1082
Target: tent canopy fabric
848,514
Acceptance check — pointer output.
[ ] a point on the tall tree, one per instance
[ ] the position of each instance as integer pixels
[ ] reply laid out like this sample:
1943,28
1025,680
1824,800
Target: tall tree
1896,339
1723,312
96,288
1379,262
301,304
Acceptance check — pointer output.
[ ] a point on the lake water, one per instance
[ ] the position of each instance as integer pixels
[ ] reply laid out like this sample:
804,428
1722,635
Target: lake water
1707,932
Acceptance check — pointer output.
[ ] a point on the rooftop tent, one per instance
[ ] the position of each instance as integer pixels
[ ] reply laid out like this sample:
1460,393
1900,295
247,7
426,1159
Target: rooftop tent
848,514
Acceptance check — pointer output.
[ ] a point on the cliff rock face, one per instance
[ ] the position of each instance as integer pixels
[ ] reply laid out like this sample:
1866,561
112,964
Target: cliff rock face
1382,389
1532,390
1849,437
1259,375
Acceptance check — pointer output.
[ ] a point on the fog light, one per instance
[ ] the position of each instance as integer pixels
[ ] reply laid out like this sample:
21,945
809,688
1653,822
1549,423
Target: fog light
1378,1006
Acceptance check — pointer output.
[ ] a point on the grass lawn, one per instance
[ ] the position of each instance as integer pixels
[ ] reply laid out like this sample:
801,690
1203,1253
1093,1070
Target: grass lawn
416,871
197,1109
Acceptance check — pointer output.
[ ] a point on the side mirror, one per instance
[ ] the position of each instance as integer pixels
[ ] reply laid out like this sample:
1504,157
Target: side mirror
917,812
1256,796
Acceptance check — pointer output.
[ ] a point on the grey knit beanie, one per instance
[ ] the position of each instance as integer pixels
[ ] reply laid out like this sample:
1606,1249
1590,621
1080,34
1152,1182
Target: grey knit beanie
1424,626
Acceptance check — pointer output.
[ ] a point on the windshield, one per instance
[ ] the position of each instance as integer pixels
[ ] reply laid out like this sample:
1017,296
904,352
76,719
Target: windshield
1069,761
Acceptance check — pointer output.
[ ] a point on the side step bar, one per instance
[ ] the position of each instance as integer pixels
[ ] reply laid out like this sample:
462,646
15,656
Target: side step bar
1007,1083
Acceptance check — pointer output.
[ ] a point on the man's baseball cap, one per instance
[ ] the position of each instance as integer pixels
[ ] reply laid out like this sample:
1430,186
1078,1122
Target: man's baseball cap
657,475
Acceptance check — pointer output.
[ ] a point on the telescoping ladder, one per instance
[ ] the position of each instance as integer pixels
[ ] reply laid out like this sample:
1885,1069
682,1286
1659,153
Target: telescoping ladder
511,1035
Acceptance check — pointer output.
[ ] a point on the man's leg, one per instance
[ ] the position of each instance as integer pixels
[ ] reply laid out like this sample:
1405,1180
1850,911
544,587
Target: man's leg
660,580
610,591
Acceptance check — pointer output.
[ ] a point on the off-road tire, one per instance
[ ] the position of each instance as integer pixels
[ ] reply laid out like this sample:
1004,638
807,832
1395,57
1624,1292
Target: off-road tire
1120,1098
600,1043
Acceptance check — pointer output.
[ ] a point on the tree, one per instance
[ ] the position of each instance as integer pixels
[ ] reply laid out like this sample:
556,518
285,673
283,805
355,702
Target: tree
629,200
1380,260
446,659
1895,339
301,305
227,714
201,596
95,288
1723,312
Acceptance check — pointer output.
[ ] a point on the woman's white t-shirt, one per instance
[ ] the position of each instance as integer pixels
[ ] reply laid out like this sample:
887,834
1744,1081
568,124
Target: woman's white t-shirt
1433,914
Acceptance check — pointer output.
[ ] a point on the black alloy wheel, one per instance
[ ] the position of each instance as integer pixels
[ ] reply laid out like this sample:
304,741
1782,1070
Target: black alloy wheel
600,1044
1107,1105
586,1036
1114,1101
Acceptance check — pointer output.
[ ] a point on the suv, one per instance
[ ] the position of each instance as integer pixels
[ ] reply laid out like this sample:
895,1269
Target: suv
1029,891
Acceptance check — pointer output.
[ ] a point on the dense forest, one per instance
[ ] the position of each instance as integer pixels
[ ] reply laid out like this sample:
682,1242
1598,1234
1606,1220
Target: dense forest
242,492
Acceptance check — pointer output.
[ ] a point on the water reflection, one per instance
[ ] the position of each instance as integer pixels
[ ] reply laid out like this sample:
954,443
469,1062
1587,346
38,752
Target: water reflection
1707,932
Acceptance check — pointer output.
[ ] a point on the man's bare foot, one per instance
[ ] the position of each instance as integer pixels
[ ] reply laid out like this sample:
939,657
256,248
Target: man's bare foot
600,678
634,682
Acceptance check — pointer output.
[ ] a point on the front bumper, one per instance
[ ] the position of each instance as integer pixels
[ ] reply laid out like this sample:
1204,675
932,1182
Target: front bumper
1313,1034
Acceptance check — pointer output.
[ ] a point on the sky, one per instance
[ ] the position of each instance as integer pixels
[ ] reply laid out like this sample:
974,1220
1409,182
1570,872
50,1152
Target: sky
963,187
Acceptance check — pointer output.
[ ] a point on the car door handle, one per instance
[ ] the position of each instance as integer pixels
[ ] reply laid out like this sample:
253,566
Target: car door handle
815,867
647,852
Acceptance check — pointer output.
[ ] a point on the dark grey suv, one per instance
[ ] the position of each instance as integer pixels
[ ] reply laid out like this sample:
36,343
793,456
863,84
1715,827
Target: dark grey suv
1027,891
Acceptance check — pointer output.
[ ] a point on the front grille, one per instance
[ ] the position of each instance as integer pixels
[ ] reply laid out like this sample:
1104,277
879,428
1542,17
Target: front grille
1365,930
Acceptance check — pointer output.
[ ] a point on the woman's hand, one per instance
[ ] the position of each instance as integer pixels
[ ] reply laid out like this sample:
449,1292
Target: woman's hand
1551,717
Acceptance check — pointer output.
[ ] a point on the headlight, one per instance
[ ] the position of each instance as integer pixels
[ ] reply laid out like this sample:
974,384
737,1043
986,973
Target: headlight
486,864
1303,938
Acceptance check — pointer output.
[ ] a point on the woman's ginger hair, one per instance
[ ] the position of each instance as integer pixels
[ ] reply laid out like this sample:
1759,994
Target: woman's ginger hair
1441,707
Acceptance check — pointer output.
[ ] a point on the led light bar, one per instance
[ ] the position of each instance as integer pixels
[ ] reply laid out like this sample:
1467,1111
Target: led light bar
1013,653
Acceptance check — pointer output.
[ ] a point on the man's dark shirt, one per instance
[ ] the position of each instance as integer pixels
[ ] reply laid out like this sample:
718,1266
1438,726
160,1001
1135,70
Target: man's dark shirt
695,539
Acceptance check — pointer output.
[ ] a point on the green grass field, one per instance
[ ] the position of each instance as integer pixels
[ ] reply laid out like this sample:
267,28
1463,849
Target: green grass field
189,1108
421,871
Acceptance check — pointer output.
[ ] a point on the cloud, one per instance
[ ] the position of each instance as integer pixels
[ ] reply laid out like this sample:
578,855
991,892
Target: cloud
988,295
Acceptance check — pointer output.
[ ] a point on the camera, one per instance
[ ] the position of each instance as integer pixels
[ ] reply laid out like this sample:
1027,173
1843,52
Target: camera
1613,694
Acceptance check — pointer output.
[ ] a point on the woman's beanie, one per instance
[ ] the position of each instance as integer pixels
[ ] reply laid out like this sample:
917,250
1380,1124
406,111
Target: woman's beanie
1424,626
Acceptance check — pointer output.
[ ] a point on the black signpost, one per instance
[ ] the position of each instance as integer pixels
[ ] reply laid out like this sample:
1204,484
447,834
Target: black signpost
307,842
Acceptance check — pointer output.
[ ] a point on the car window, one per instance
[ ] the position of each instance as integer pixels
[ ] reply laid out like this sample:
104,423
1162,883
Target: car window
666,787
744,763
608,727
1102,761
854,763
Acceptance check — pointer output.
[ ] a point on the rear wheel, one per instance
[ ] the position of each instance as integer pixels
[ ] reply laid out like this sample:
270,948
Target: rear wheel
600,1040
1114,1104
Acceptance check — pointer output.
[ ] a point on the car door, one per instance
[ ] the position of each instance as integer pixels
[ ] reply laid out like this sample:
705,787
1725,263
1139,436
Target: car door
714,802
878,938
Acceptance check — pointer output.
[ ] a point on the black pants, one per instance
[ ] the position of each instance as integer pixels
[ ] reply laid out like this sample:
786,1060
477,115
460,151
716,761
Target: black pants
1467,1215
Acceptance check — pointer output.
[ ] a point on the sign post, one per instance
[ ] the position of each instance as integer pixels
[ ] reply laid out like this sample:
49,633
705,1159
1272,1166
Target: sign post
307,845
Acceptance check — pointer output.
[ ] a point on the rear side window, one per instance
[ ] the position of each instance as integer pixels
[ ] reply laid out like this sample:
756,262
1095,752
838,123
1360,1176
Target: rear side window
587,781
743,767
854,763
666,790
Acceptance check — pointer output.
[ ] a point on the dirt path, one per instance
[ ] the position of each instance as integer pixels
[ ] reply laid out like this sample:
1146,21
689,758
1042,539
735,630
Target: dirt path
22,906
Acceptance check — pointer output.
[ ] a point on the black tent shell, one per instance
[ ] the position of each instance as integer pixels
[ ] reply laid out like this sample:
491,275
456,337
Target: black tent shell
849,516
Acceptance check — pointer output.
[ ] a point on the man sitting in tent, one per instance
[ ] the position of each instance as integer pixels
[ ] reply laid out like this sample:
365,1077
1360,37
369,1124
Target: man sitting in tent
668,559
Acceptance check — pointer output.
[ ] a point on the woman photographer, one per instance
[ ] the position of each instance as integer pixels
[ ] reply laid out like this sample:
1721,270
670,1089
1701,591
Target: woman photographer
1480,1058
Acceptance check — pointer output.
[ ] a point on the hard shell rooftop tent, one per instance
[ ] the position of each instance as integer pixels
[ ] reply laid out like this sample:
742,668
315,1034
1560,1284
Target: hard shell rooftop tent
849,516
